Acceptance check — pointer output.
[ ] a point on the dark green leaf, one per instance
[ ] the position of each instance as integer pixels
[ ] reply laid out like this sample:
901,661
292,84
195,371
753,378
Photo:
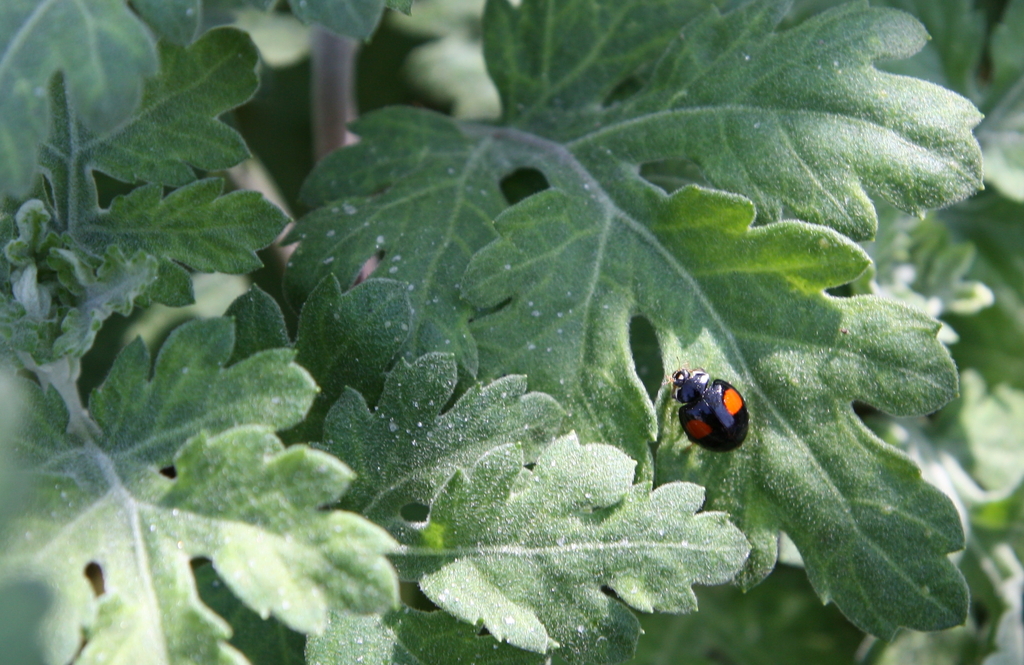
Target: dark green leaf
781,622
349,339
175,128
101,48
526,553
409,637
263,641
426,167
259,324
193,225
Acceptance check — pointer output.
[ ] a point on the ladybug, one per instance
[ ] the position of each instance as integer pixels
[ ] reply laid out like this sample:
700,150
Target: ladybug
714,414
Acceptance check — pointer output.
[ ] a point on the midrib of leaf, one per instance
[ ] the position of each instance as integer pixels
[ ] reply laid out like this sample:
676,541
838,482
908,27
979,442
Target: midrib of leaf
477,551
581,67
600,134
120,495
613,213
478,151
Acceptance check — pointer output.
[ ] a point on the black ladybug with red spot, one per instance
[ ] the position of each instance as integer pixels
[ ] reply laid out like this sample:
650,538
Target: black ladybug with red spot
714,414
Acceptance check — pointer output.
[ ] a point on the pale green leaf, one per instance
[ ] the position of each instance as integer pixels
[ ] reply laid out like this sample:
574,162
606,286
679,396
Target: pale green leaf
950,647
917,260
988,427
408,445
103,52
409,637
527,553
235,496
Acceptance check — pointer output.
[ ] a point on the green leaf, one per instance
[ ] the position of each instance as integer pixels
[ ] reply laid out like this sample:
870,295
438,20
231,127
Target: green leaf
1002,132
989,427
176,20
781,622
409,636
349,339
263,641
957,38
426,166
950,647
526,553
992,341
746,305
798,119
22,605
356,18
103,52
405,448
918,261
259,324
237,497
174,129
193,225
602,246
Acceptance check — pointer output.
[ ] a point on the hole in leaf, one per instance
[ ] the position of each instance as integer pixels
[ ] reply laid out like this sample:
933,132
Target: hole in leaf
107,188
530,465
412,596
483,632
414,512
368,267
643,344
521,183
671,174
169,471
94,574
623,91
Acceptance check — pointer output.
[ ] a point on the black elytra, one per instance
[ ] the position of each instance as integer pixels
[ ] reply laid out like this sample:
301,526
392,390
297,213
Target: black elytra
714,414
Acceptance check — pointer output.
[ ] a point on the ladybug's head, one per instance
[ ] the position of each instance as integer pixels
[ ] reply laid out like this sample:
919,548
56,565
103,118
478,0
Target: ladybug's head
689,386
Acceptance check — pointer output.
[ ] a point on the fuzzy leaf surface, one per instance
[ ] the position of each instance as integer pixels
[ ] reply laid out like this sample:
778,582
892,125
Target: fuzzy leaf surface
526,552
408,445
349,339
238,498
182,20
806,124
745,304
103,52
412,638
193,225
174,129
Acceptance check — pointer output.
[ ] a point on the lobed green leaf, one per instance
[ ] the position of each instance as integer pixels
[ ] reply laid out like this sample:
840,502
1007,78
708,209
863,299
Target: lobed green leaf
409,636
526,552
103,52
184,465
